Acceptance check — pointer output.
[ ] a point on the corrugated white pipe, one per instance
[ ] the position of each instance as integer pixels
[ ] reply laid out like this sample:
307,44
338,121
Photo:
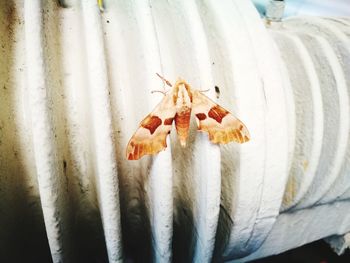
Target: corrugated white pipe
316,54
49,172
88,76
105,162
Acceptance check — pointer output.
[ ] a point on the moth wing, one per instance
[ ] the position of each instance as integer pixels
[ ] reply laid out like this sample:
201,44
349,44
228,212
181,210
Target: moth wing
150,137
221,125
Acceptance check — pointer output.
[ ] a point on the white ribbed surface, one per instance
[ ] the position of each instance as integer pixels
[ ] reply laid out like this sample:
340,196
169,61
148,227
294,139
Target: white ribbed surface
49,172
74,85
105,163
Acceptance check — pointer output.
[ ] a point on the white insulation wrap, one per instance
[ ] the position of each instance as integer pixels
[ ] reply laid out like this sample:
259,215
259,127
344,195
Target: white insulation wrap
74,84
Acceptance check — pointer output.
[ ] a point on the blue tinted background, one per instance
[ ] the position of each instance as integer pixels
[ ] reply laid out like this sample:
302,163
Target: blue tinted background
310,7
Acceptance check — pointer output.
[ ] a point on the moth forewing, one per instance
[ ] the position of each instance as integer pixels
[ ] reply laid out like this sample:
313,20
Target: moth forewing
150,137
220,124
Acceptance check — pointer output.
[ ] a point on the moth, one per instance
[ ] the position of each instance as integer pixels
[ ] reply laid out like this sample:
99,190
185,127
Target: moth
176,106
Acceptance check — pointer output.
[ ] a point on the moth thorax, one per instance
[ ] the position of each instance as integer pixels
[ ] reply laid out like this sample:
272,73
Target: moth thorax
183,100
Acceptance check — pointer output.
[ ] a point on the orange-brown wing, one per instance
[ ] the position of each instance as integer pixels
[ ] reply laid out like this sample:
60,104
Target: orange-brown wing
221,125
150,137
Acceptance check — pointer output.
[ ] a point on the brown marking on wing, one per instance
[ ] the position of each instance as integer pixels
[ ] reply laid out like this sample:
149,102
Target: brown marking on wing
201,116
168,121
151,123
217,113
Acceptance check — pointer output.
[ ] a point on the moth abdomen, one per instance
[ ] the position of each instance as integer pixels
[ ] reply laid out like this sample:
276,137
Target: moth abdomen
182,123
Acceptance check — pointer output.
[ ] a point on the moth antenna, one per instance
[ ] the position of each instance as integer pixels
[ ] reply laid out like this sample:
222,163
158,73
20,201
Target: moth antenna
206,90
165,80
161,91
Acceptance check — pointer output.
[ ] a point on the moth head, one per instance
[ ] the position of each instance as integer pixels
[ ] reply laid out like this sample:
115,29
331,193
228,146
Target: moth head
182,89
